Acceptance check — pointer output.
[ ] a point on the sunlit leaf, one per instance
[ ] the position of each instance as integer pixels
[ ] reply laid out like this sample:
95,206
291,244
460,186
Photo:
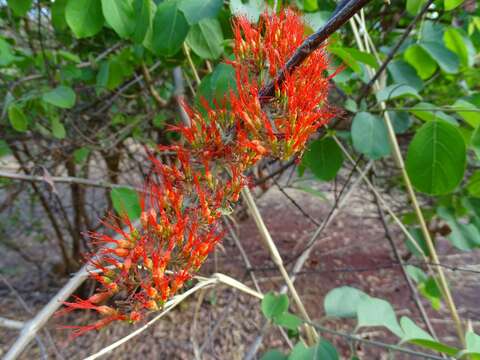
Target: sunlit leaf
84,17
436,158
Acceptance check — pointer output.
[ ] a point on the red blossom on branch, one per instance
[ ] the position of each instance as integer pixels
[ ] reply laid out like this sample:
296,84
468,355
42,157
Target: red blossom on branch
143,266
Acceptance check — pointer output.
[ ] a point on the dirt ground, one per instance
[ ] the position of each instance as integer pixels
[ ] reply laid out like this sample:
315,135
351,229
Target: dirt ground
352,251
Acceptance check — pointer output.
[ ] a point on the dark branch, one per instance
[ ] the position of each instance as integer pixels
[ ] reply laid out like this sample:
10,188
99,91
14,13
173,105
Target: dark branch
345,10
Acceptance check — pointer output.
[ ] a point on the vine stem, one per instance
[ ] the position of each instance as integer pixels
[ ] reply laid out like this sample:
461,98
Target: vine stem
277,259
397,155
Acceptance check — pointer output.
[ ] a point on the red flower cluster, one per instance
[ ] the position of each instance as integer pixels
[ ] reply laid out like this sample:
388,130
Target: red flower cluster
143,266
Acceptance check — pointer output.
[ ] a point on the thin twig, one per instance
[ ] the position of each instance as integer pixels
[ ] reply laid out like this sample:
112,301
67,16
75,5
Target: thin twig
64,179
11,324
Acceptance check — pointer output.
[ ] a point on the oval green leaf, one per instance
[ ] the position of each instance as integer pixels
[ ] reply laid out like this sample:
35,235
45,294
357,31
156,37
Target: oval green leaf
170,28
62,97
17,118
451,4
369,135
395,91
436,158
205,39
119,15
378,312
195,10
143,19
343,302
84,17
274,305
324,158
20,7
446,59
126,202
421,61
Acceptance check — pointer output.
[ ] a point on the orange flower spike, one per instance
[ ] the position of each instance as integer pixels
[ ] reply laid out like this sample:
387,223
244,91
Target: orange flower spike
81,304
80,330
99,297
178,280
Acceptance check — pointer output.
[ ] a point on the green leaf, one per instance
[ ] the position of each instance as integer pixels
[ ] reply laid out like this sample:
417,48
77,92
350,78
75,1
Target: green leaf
195,10
17,118
126,202
468,111
119,15
58,130
403,73
417,274
4,149
324,350
62,96
288,321
148,40
369,135
310,5
420,243
6,54
20,7
428,112
346,57
463,236
430,290
451,4
110,74
472,341
475,141
80,155
217,85
324,158
411,331
396,91
170,29
252,9
378,312
446,59
413,6
84,17
205,39
350,105
436,158
473,186
432,31
400,120
274,355
143,19
58,15
455,42
301,352
415,335
343,302
274,305
421,61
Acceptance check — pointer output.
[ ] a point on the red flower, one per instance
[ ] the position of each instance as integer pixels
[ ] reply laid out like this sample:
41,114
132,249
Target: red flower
142,266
